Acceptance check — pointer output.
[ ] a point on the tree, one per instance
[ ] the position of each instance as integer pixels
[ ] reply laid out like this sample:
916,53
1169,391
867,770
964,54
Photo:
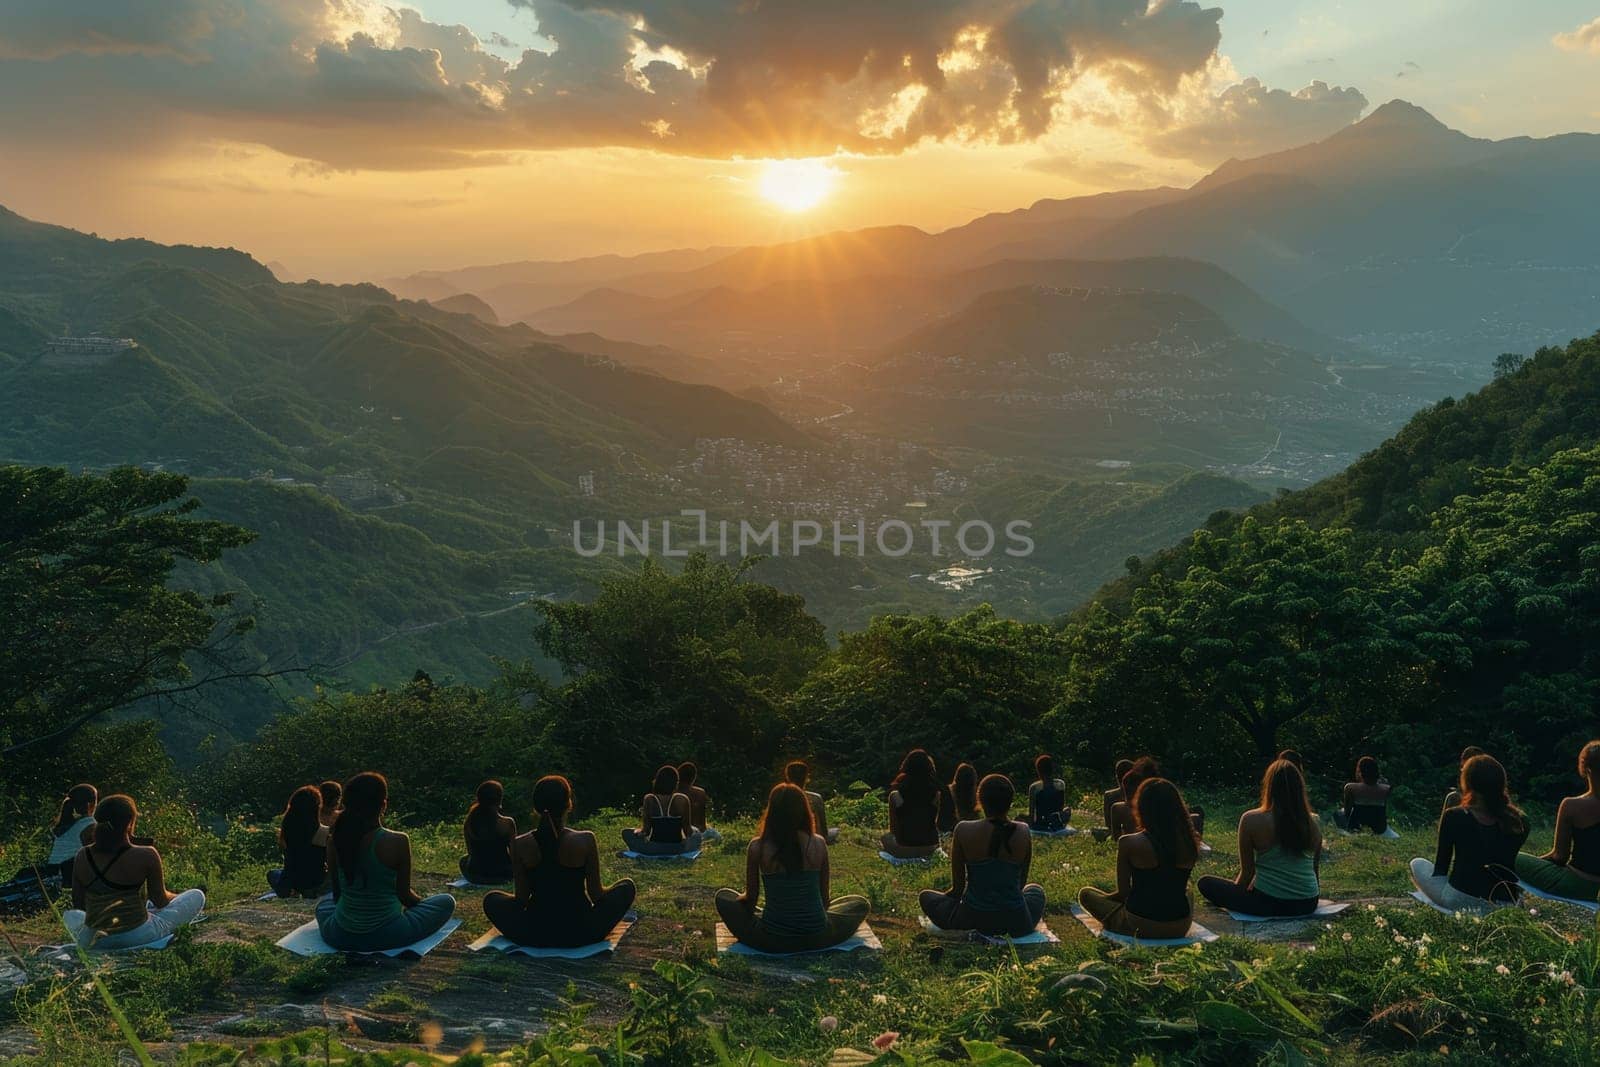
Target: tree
90,623
1508,363
666,667
974,687
1272,625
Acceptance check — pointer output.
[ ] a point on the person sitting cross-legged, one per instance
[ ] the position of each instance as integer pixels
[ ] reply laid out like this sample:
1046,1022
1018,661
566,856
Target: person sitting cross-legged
487,832
303,841
1475,864
119,891
1153,868
914,803
1047,798
989,859
668,828
1280,852
789,862
373,907
560,901
1366,800
1109,800
1571,868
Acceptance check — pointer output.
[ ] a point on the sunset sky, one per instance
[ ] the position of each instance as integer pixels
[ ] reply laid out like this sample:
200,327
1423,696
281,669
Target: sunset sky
353,139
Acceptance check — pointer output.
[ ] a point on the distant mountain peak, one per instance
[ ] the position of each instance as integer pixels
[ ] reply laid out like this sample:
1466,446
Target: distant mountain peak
1402,114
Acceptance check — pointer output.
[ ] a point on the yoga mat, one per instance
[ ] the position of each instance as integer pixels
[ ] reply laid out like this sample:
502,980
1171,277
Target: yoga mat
864,939
1390,834
467,883
1041,935
1197,933
495,941
51,950
900,861
1325,909
691,856
306,940
1542,895
1487,906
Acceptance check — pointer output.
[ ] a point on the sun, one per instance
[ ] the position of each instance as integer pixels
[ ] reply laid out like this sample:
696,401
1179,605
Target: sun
797,185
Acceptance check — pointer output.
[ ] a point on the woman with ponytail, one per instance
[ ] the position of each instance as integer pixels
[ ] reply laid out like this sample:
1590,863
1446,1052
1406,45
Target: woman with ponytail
559,901
1478,843
119,894
789,861
989,858
374,908
488,832
73,828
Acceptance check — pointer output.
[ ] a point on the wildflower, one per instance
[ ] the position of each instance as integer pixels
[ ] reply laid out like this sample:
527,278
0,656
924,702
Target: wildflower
1394,961
885,1041
1380,922
1345,936
828,1023
1399,939
880,998
1533,911
1502,969
1444,1050
1372,907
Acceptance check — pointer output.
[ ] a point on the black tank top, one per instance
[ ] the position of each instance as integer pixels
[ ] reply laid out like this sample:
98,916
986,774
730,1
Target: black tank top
305,867
1047,805
665,829
918,823
557,890
1160,894
1586,849
1374,817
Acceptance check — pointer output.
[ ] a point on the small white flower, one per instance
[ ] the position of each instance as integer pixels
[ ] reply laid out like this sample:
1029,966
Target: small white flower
1502,969
1346,936
880,998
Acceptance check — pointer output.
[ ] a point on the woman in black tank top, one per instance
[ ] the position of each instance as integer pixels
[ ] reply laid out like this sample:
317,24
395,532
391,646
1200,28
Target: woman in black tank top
1154,864
666,816
914,808
559,900
488,833
1571,868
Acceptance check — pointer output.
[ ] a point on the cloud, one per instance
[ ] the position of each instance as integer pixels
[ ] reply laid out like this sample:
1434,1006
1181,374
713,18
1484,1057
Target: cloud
1585,38
1091,171
33,30
1250,119
355,84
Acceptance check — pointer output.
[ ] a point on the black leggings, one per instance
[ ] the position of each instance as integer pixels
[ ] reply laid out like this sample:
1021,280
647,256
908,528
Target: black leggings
1226,893
542,929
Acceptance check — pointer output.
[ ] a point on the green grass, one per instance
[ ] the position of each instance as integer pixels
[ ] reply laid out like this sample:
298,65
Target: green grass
1387,980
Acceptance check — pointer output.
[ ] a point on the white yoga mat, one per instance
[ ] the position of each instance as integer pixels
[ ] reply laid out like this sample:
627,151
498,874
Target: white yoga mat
1196,935
1390,834
306,940
1325,909
900,861
1542,895
1483,909
691,856
495,941
864,939
467,883
1041,935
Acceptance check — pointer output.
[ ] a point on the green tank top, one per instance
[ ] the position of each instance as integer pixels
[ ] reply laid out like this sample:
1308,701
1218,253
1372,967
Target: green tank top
367,901
794,903
1286,876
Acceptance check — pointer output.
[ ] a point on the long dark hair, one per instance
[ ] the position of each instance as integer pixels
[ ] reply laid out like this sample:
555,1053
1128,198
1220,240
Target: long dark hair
916,782
1283,793
1367,770
331,792
964,788
113,819
1160,812
1589,759
552,800
364,798
666,780
1483,784
995,794
787,818
797,773
486,808
302,817
688,774
74,806
1044,767
1144,768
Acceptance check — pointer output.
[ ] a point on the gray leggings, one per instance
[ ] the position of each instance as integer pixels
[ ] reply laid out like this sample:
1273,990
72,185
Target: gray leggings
409,927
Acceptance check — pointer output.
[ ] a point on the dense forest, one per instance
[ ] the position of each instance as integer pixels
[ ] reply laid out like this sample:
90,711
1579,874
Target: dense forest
1444,590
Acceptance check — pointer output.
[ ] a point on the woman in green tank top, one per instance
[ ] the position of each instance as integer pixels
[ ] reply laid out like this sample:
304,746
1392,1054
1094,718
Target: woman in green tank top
374,908
789,861
1280,852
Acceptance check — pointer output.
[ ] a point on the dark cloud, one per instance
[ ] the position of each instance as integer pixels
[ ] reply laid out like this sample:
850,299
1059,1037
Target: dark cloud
351,83
1249,119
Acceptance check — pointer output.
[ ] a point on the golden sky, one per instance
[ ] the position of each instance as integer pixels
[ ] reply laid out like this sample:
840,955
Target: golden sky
353,139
